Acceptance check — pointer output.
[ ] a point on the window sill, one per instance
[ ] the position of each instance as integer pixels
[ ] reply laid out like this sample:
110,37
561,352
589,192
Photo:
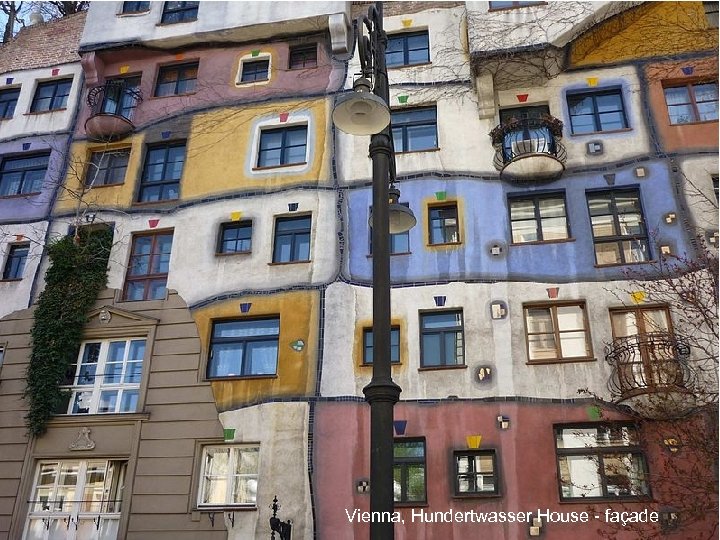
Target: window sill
444,244
541,242
91,187
419,504
240,378
614,265
223,508
33,113
176,22
693,123
105,418
241,84
392,365
134,13
592,133
629,499
560,361
285,166
231,253
10,280
174,95
369,255
403,66
20,195
428,150
442,368
159,202
473,496
288,262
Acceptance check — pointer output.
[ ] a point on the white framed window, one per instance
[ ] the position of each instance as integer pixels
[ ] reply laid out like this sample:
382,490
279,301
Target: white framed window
229,476
105,377
77,499
254,69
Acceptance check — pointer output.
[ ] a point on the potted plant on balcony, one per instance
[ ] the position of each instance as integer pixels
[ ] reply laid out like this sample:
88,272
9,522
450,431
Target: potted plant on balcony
555,125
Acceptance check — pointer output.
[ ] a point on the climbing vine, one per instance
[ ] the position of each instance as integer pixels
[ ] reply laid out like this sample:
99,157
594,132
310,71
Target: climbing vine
77,273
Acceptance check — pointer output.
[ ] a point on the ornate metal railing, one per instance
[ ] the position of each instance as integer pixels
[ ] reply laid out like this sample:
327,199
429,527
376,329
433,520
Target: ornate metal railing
530,136
114,98
648,363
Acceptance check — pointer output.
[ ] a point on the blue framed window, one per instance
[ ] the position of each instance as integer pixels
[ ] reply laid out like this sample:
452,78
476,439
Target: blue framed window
162,172
407,49
282,146
292,239
255,70
244,347
442,339
394,345
414,130
15,262
51,95
177,12
596,111
8,100
23,175
235,237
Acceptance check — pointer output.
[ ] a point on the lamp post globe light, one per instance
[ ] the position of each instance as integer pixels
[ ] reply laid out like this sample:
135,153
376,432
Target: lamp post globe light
365,111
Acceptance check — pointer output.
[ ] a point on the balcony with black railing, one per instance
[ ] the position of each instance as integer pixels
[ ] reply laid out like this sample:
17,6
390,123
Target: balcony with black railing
646,364
112,108
528,149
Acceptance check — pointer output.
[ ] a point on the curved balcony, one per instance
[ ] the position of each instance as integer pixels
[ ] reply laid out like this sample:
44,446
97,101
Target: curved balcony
529,150
112,107
650,371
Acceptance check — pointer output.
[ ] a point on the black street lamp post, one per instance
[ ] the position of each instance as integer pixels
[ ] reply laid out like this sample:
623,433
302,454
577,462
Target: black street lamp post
363,113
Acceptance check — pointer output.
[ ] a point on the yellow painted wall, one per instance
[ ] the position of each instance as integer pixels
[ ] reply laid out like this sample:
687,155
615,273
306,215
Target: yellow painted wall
296,370
652,29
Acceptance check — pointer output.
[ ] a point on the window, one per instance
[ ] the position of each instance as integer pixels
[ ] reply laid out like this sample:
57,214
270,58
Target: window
162,172
87,494
538,219
235,237
600,462
255,70
15,262
692,102
442,341
557,332
414,130
282,146
177,12
394,345
176,79
148,268
716,187
618,227
409,471
443,223
592,112
135,7
121,96
407,49
105,378
8,100
51,95
292,239
399,243
303,56
711,13
229,476
475,472
107,168
512,5
244,347
23,175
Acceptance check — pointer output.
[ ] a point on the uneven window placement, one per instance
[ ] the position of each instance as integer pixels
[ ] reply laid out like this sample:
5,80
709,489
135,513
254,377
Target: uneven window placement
235,237
409,471
8,100
177,12
407,49
229,476
476,472
600,462
394,345
692,102
51,95
162,172
538,219
443,223
105,377
244,347
557,332
292,239
601,110
282,146
176,79
23,175
107,168
303,56
255,70
135,7
15,262
618,227
414,130
148,269
442,339
87,494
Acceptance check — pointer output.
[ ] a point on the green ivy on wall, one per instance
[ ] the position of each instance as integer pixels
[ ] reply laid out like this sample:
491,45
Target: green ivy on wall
77,274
